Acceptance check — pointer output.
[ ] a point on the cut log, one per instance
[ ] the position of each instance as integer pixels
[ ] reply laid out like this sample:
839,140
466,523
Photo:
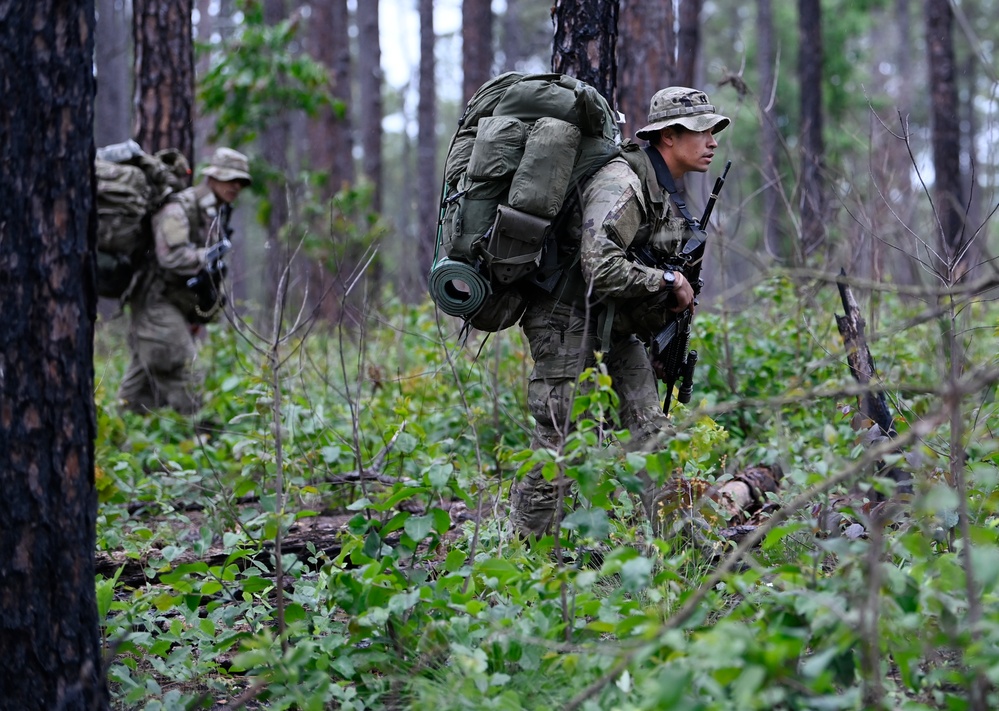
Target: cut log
731,508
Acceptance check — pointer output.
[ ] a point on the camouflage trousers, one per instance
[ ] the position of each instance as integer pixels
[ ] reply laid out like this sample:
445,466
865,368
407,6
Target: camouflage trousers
161,372
563,343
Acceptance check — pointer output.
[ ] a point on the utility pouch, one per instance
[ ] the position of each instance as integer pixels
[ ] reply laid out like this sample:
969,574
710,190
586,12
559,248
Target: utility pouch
541,181
514,244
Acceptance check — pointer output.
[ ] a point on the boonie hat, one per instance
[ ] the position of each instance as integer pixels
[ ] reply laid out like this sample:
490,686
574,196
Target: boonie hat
681,105
227,164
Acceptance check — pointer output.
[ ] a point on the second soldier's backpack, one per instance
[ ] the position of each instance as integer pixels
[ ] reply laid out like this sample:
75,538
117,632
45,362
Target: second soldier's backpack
131,186
524,143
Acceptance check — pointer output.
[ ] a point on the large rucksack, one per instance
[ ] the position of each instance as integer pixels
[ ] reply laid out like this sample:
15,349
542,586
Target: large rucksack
131,186
524,144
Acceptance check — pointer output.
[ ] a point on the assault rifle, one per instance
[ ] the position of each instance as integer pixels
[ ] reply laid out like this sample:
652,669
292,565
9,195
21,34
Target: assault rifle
670,347
206,284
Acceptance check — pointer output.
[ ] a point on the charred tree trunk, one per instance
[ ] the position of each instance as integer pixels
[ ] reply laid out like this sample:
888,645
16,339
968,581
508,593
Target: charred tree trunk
872,404
875,415
48,606
585,43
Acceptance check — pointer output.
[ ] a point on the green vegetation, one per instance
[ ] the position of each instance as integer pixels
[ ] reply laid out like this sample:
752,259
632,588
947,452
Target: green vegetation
364,474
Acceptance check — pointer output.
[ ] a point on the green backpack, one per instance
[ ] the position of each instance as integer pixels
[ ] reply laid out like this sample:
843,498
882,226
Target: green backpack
524,143
131,186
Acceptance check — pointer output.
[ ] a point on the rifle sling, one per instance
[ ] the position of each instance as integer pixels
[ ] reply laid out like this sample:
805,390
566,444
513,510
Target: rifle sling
665,179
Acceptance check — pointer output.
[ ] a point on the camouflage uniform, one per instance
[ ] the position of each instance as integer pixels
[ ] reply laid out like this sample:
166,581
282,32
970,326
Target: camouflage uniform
162,328
621,208
564,335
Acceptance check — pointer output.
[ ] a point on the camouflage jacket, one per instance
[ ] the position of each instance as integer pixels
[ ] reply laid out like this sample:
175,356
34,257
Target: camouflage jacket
182,230
624,208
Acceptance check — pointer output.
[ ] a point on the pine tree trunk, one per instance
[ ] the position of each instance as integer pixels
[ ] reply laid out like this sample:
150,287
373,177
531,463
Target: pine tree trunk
428,188
812,200
369,59
48,609
769,133
586,42
688,43
645,62
946,135
476,45
164,75
113,105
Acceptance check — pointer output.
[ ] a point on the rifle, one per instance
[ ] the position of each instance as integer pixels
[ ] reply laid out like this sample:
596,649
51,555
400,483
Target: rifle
671,345
206,284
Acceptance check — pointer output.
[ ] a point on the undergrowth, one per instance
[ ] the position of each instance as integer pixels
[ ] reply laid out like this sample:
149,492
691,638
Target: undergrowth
406,446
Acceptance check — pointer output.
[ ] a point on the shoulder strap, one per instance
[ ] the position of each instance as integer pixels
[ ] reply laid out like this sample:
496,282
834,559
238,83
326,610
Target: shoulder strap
665,179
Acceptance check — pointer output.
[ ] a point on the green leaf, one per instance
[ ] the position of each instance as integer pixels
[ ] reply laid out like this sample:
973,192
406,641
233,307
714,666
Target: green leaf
438,475
294,612
418,527
502,570
591,523
454,560
779,533
442,520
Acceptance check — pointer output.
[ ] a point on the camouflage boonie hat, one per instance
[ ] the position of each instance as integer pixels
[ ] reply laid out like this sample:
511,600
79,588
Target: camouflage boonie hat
227,164
689,108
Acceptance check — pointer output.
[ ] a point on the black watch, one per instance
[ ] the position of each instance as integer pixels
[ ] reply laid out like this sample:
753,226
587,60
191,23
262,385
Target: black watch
670,278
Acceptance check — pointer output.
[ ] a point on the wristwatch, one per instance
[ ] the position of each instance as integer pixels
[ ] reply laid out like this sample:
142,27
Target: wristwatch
670,278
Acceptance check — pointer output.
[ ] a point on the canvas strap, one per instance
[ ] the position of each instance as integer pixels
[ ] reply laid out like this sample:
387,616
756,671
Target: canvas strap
665,179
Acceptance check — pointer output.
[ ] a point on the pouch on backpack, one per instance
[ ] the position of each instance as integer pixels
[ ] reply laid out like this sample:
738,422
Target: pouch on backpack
515,243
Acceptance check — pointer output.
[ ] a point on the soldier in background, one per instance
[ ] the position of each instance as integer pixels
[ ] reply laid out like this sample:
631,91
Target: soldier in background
609,298
179,289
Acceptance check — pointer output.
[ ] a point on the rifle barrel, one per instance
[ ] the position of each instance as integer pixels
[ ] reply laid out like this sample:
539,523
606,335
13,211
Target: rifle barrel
715,192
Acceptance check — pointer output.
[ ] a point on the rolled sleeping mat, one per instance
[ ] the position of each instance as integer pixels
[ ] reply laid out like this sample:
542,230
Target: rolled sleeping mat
457,288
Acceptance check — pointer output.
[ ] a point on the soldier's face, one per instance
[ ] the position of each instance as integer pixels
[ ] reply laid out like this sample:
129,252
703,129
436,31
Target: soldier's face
226,191
690,151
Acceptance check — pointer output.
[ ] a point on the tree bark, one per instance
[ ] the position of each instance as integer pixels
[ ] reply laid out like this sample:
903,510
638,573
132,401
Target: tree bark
688,43
946,136
48,609
274,149
513,40
766,61
812,199
476,45
113,105
645,61
164,75
369,60
585,43
428,191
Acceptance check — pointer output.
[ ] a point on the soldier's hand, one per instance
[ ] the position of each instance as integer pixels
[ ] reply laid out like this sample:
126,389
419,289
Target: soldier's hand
683,292
658,368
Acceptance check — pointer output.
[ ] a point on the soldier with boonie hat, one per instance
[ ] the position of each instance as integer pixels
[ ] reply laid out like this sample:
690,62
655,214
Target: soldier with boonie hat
612,302
227,164
181,288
